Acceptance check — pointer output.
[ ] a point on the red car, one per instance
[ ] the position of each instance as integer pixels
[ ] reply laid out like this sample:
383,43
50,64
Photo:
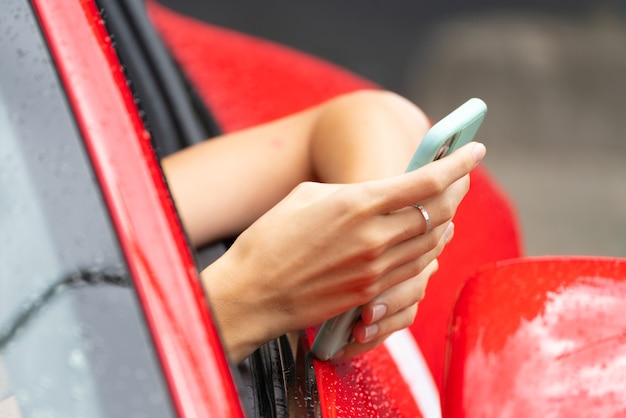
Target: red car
101,310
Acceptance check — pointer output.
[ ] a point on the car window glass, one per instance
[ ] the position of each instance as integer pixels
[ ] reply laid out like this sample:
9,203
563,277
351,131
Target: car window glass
73,340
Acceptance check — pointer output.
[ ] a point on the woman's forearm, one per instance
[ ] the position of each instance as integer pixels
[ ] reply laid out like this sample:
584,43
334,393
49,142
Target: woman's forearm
223,185
365,136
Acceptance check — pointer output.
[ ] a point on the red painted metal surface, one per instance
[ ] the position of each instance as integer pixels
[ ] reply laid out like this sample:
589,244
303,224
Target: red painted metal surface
540,338
367,386
142,212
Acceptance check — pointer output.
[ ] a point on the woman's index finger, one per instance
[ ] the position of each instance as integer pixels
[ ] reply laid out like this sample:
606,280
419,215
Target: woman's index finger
393,193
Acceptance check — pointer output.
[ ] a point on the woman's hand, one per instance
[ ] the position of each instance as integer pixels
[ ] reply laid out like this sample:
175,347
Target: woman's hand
326,248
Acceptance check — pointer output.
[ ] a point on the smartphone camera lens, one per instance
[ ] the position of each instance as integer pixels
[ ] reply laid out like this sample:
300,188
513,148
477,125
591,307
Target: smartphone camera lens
443,151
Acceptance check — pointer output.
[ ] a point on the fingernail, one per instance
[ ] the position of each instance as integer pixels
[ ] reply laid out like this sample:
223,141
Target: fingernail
370,332
478,151
448,233
378,311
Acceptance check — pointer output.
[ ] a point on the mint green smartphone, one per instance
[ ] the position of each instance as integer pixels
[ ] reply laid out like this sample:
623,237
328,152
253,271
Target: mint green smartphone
450,133
446,136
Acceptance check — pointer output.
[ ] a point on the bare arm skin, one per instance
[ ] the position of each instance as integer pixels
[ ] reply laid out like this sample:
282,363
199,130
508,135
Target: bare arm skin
223,185
313,245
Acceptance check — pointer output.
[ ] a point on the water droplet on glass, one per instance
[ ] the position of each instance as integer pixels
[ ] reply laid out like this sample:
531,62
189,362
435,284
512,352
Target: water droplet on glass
77,360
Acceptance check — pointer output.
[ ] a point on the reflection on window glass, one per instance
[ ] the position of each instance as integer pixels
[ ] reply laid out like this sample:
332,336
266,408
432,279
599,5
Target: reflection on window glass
73,342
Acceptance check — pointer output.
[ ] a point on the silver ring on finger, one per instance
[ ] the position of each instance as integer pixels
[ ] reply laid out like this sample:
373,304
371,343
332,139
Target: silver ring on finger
424,214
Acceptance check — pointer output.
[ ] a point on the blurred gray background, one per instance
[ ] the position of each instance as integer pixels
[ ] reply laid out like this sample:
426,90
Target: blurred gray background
552,72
